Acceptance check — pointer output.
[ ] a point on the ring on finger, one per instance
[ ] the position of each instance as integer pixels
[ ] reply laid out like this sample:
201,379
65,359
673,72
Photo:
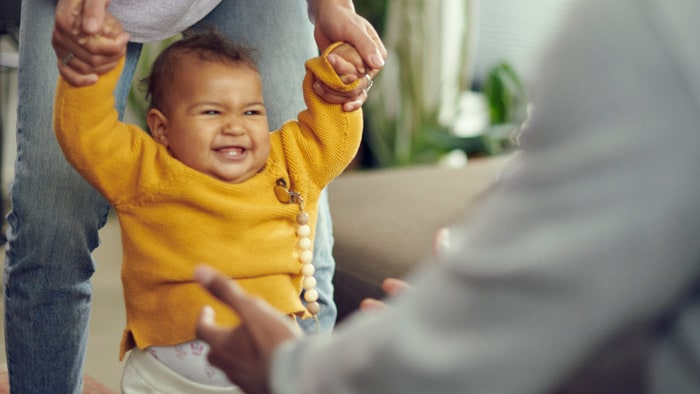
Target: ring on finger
370,82
67,58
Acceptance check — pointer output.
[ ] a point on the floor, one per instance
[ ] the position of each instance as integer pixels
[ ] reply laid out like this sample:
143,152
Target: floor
107,320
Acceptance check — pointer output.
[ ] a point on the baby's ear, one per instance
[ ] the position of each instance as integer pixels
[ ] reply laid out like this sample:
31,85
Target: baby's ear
158,125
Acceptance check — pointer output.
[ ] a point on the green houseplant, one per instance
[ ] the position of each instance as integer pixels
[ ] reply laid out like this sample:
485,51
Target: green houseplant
411,109
416,94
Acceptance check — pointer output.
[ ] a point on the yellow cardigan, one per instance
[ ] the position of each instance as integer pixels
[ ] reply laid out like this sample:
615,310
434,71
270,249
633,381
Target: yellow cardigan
173,218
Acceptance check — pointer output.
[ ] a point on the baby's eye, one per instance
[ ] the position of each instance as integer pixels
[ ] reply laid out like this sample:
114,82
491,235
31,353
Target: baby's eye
210,112
253,112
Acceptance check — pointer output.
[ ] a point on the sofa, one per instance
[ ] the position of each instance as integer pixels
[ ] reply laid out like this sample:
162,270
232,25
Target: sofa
384,221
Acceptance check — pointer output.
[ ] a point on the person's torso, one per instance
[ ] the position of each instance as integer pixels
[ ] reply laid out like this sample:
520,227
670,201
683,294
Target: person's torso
155,20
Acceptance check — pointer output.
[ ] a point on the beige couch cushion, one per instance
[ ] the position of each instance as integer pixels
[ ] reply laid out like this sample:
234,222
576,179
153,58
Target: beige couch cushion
384,221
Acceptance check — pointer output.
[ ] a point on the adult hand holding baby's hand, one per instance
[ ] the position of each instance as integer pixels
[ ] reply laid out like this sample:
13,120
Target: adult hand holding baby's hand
87,40
349,65
336,20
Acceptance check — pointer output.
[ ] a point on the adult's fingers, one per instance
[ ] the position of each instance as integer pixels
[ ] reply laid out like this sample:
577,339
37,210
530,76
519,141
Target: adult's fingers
79,66
76,78
109,42
372,304
207,329
249,309
93,15
367,41
234,351
82,57
263,326
395,286
221,287
253,311
392,287
350,100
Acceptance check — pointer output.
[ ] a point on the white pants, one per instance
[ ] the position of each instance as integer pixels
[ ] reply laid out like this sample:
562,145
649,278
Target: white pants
144,374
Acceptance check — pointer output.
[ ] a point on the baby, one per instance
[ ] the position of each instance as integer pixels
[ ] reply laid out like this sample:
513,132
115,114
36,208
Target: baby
210,185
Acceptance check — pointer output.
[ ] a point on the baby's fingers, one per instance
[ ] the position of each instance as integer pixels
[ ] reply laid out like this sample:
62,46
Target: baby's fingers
347,71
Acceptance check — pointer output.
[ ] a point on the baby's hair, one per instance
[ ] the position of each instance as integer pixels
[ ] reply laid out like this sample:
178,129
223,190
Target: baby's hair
207,45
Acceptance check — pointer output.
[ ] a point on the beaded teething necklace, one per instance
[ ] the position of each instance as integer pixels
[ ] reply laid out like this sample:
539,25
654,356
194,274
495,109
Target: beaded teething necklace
304,244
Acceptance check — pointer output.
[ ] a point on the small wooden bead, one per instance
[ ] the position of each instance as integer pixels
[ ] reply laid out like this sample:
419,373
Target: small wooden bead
305,243
308,269
306,256
303,218
304,230
313,308
309,283
311,295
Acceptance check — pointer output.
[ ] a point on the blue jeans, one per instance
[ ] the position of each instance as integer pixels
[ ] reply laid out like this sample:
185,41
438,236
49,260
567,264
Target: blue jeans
56,215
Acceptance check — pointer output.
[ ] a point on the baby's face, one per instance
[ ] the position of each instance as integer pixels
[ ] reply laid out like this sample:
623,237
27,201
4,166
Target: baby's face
215,120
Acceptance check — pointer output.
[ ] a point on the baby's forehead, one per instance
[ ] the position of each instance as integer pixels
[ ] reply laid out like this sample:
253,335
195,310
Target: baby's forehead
204,56
190,63
200,74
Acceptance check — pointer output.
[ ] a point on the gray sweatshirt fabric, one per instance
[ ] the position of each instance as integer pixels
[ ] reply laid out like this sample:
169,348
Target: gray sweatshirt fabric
155,20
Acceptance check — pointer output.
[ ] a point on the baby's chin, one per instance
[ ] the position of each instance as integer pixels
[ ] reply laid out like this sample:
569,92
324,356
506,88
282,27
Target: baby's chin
235,178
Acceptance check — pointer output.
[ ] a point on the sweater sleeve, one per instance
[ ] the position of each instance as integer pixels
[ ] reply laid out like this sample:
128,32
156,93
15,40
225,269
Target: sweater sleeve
325,138
111,155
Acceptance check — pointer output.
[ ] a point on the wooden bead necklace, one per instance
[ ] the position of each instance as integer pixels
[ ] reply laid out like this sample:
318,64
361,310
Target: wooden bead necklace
304,245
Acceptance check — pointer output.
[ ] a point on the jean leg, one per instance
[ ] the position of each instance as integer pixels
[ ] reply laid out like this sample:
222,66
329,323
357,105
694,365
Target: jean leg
282,35
121,92
54,222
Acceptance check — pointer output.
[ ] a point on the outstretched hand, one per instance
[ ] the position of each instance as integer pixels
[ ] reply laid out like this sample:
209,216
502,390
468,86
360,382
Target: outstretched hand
88,41
244,352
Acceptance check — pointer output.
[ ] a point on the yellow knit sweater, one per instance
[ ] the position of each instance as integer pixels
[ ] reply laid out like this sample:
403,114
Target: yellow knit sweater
173,218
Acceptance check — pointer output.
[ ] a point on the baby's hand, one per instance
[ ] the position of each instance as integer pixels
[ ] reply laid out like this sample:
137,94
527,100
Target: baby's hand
347,62
349,66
